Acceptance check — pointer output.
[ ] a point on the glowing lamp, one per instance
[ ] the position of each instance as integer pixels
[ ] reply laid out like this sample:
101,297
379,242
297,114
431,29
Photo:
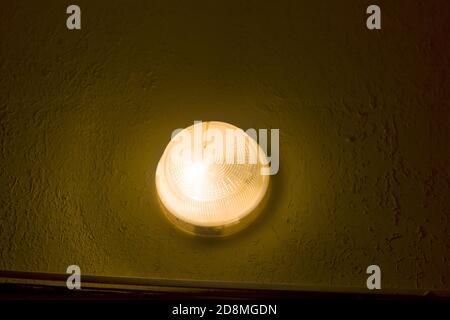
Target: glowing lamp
209,179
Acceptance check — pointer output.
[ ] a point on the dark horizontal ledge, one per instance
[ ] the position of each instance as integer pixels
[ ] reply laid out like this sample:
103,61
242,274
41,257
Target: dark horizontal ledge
40,285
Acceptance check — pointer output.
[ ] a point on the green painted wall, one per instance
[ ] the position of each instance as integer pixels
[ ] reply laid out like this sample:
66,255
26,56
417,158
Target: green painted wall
363,119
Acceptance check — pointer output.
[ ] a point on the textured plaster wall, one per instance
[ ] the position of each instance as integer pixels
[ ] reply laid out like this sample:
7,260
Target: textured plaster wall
363,119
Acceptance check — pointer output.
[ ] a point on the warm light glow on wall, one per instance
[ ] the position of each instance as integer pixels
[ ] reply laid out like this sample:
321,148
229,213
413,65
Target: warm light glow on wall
212,187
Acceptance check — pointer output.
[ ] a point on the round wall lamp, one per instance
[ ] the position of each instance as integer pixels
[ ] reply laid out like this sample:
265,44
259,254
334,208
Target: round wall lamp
209,179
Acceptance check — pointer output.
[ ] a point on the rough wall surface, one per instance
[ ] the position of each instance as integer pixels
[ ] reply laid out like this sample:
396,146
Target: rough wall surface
363,119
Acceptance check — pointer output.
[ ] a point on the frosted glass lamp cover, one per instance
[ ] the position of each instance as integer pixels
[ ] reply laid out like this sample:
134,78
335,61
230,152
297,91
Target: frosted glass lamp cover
215,188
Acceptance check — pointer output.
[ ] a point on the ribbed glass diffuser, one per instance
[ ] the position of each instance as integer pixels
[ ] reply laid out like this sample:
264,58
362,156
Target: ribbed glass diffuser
214,187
